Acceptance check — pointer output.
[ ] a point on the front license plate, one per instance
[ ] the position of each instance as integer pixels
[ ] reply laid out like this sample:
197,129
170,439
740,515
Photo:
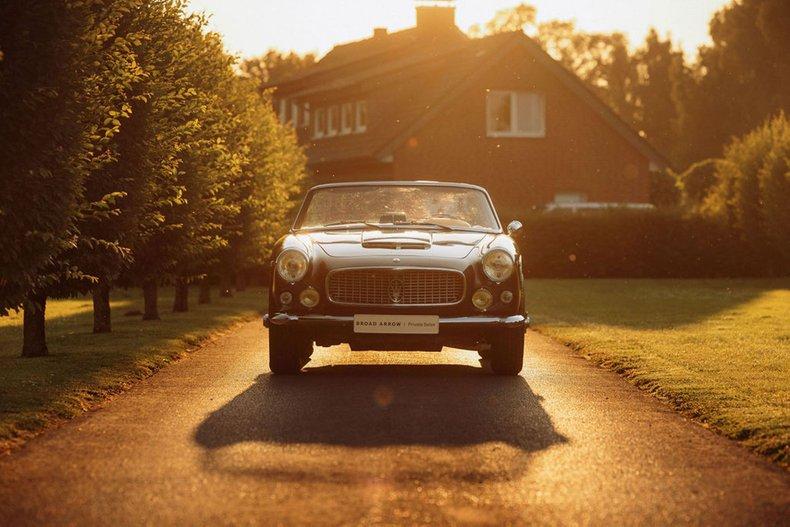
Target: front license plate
413,324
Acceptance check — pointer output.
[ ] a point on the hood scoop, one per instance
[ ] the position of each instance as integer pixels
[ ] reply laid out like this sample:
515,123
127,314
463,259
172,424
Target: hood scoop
396,240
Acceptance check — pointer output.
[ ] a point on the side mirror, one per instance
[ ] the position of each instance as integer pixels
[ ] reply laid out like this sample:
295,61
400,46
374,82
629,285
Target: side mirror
513,227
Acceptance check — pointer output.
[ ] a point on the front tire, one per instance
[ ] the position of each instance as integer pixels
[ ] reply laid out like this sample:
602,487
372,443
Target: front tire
288,352
507,352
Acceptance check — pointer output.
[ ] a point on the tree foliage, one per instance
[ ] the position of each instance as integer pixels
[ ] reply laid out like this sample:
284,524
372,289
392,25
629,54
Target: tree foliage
57,125
131,150
752,188
275,66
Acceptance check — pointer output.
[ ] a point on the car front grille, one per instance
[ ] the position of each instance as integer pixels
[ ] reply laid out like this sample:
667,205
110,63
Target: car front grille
395,287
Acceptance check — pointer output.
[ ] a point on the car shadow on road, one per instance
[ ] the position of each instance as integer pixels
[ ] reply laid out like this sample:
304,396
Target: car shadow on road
375,405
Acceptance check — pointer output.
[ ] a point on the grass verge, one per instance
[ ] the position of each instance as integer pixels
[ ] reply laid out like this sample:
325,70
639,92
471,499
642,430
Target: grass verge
718,350
83,369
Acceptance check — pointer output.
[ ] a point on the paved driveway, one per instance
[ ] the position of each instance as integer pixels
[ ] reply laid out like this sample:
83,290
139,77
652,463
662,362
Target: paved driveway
377,438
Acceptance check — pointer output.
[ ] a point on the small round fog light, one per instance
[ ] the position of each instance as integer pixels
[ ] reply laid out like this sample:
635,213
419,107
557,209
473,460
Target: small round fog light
286,298
506,297
309,297
482,299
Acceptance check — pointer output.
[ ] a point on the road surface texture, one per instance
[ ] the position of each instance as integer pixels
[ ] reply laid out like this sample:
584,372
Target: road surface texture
377,438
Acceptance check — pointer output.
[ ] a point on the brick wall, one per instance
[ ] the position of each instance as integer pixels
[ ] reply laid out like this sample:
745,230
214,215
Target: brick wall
580,153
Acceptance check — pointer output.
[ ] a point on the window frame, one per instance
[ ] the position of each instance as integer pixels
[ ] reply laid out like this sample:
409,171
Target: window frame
347,124
306,115
332,125
283,110
514,132
294,117
319,130
360,127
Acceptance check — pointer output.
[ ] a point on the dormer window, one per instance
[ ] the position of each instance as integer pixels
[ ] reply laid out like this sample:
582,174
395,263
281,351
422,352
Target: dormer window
332,120
515,114
347,118
361,120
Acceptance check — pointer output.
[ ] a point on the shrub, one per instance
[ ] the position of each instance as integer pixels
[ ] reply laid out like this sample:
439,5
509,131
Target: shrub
752,191
620,243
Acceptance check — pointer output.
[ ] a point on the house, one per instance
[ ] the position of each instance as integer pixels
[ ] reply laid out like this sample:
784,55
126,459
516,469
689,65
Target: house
431,103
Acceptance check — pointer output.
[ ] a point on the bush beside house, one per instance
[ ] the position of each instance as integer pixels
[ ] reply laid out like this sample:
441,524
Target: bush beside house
732,220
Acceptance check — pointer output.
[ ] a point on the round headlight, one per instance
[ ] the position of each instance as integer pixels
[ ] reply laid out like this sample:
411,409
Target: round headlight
292,265
498,265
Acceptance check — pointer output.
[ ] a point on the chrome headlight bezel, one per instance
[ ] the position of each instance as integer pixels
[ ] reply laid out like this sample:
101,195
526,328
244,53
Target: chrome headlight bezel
289,275
492,260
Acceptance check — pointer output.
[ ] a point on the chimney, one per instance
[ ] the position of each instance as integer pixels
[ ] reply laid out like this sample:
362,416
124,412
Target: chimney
379,32
436,16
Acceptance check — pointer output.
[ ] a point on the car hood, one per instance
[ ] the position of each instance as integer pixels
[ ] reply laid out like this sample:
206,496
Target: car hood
417,243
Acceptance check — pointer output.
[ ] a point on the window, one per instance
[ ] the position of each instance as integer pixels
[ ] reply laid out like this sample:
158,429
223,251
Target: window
361,123
294,114
283,110
319,123
306,115
346,118
332,121
515,114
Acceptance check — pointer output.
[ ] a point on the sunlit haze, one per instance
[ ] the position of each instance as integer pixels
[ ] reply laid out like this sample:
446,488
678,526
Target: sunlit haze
251,27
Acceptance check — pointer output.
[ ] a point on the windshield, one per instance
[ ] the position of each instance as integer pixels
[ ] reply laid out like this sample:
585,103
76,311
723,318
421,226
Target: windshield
443,207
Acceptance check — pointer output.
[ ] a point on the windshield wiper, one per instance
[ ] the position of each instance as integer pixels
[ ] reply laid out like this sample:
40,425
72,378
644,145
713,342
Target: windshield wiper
423,224
397,225
348,223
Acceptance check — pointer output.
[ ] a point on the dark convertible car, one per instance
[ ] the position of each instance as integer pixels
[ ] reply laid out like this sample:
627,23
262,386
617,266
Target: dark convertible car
397,265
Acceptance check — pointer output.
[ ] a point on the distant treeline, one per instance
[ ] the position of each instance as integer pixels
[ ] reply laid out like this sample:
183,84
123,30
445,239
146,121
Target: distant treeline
130,153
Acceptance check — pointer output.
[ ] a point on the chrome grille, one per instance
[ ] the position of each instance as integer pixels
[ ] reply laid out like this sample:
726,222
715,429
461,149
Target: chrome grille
401,287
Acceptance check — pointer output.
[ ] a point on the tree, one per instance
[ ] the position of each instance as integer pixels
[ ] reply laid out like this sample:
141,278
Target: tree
744,73
517,18
270,172
275,66
658,67
112,198
168,121
753,188
54,134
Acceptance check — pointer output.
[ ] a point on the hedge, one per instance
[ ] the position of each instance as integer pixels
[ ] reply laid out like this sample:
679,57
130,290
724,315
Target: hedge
621,243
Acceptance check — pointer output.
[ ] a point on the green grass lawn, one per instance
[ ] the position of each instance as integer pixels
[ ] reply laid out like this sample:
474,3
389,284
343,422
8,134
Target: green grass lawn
83,369
717,349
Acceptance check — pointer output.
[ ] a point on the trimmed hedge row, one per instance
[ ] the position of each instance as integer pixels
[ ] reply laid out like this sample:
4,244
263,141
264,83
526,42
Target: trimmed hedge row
637,244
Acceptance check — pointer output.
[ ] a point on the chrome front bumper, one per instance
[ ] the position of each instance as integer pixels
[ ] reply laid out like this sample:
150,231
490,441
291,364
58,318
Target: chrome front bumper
446,324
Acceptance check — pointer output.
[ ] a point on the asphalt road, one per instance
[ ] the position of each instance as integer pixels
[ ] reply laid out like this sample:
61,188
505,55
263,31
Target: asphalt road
377,438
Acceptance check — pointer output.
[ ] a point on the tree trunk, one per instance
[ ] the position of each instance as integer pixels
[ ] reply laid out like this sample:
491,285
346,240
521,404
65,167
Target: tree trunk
34,343
241,281
225,290
102,322
204,296
150,300
181,300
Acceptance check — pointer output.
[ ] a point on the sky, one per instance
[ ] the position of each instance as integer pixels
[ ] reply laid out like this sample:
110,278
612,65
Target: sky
250,27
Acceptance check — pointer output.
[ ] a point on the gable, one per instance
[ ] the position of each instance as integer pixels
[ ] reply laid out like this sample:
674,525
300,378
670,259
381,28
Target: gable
410,89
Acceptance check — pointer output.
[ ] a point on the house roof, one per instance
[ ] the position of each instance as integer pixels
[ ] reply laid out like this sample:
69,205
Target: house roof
397,59
358,54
